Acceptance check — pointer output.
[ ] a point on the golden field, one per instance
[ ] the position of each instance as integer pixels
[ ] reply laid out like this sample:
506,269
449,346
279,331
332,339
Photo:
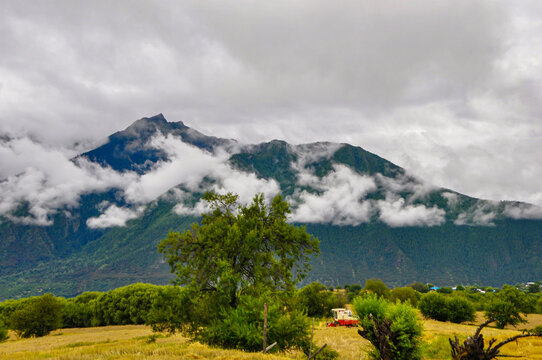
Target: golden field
138,342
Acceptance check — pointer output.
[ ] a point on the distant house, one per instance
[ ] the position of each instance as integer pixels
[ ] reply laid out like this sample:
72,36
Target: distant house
434,288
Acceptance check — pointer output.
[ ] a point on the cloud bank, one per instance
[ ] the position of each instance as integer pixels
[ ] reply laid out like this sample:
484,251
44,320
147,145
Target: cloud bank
450,91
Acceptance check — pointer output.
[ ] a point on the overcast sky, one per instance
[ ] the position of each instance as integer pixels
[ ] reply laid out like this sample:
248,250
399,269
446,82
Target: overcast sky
450,90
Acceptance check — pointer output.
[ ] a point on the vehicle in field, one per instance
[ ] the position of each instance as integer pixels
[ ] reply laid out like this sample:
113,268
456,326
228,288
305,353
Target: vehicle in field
343,317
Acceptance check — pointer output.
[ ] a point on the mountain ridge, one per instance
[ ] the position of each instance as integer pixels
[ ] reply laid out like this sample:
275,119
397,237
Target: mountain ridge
372,217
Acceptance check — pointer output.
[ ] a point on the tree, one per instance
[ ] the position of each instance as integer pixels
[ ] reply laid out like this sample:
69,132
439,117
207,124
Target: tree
508,305
38,318
377,286
240,249
419,287
404,294
239,256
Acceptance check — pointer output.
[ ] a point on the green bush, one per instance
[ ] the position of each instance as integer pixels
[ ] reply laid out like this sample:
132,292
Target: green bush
126,305
433,305
445,290
77,315
3,331
459,310
439,307
404,294
404,340
172,310
7,308
377,286
242,328
38,317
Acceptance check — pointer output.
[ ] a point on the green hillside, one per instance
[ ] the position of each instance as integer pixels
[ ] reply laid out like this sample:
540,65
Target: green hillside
473,241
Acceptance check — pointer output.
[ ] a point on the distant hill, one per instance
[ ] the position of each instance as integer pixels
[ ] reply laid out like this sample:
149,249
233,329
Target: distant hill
373,219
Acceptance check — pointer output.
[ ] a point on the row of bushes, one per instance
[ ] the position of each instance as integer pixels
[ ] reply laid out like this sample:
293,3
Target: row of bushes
132,304
506,306
151,304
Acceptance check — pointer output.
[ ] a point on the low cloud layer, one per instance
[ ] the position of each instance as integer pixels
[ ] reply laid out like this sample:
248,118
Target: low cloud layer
342,197
449,90
50,181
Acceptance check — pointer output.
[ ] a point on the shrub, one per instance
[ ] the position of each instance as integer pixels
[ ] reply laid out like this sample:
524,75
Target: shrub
459,310
445,290
172,310
126,305
77,315
433,305
242,328
3,331
38,317
442,308
9,306
393,329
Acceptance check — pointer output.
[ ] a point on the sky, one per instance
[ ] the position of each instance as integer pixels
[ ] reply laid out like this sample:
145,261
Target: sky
449,90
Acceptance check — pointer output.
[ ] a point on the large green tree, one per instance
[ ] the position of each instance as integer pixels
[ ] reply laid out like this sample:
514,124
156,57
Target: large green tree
240,249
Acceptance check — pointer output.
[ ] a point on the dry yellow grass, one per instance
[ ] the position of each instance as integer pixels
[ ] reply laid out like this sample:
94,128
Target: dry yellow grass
132,342
533,320
528,348
115,342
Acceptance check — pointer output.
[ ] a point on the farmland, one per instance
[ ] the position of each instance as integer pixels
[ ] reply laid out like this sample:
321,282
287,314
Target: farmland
139,342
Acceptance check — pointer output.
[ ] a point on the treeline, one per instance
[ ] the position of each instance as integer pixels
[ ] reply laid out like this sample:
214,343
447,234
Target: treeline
152,304
133,304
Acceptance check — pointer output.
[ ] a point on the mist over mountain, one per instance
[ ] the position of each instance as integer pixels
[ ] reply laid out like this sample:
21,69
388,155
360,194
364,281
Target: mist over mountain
93,222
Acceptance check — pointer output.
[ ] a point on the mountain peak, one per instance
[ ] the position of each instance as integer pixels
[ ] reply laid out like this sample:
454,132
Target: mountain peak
129,149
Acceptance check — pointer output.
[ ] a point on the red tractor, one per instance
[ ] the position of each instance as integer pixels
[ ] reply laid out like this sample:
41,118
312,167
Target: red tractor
343,317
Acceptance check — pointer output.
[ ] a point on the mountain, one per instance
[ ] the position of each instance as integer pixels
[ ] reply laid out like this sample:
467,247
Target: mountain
373,218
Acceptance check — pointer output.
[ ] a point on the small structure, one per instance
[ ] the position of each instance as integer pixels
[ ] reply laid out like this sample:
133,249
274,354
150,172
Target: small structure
343,317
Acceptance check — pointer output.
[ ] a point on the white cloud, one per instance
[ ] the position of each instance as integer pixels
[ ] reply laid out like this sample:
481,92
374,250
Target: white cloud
186,165
523,211
416,188
450,91
51,181
114,216
483,213
452,198
339,201
396,213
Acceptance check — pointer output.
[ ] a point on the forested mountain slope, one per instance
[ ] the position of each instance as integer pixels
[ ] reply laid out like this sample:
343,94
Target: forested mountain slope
373,219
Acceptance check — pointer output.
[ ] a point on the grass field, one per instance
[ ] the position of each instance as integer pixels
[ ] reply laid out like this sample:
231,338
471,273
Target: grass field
138,342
